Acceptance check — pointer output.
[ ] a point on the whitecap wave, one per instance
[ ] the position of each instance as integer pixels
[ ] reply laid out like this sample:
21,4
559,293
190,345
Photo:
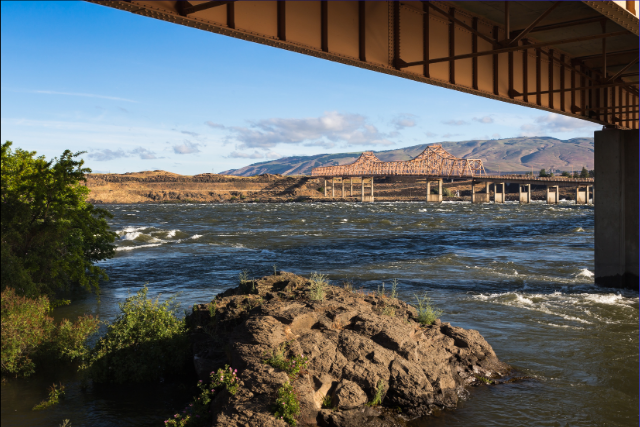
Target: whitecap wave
585,273
196,236
130,248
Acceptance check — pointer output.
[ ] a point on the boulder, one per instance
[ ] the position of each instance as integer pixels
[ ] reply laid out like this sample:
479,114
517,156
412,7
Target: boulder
354,348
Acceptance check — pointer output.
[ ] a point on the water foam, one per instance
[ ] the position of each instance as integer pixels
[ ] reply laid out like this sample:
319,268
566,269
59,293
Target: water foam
584,273
130,248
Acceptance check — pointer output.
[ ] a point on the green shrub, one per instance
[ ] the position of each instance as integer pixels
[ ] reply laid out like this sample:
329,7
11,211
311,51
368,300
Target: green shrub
56,392
427,314
287,406
198,412
51,236
317,287
377,399
446,192
292,366
29,333
146,342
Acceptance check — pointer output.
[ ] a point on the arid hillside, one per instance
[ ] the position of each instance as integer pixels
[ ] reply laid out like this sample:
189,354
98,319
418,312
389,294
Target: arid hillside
167,187
505,155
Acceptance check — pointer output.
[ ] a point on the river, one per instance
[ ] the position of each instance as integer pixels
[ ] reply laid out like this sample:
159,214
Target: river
522,275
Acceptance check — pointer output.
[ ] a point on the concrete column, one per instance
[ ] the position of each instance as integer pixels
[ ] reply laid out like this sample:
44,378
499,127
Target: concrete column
351,185
473,191
362,182
553,197
498,197
586,194
333,188
342,187
325,187
434,198
580,197
525,196
616,210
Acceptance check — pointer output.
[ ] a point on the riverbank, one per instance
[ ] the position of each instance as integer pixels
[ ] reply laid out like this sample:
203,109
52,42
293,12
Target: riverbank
166,187
365,357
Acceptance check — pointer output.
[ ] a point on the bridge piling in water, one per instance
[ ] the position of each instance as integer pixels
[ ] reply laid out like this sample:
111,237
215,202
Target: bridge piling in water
499,197
434,198
524,191
480,197
553,197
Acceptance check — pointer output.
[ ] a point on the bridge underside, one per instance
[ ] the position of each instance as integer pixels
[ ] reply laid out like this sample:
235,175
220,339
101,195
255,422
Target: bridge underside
573,58
576,58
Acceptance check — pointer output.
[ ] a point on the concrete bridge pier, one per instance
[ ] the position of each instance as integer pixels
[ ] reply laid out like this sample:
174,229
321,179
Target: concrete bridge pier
480,197
524,191
325,187
434,198
553,197
616,210
351,187
367,197
499,197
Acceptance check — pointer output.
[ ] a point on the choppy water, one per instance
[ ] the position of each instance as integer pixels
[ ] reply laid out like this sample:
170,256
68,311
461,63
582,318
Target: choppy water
520,274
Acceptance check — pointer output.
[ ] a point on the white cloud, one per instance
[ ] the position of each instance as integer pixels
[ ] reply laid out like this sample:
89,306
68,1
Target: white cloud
105,155
241,155
552,123
273,155
214,125
187,147
404,121
485,119
144,153
351,129
450,135
431,134
455,122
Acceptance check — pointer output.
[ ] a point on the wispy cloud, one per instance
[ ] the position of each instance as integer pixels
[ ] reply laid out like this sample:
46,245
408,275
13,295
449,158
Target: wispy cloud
431,134
552,123
485,119
404,121
86,95
333,127
450,135
105,155
214,125
187,147
243,155
188,132
455,122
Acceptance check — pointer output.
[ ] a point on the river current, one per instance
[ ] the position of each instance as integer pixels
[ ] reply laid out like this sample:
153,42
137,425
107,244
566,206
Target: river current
522,275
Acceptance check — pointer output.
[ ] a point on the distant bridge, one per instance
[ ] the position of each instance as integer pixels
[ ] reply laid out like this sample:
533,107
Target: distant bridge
436,164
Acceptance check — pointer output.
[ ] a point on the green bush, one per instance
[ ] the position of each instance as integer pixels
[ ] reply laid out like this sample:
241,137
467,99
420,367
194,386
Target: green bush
317,287
56,392
146,342
51,236
287,406
427,313
29,333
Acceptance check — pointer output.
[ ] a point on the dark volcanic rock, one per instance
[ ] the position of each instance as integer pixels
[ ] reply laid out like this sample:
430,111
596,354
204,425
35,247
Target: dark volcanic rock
354,346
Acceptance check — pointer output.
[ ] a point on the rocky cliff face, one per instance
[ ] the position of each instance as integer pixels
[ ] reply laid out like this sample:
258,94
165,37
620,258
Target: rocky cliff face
358,345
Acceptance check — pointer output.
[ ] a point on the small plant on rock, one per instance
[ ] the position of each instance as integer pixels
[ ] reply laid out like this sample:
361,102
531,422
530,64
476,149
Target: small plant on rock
347,286
287,406
56,392
198,412
484,379
389,310
427,313
377,399
327,402
317,288
394,288
292,366
381,291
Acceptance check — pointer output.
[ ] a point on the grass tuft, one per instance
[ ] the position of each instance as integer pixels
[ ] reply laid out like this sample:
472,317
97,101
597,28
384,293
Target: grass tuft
377,399
317,287
427,313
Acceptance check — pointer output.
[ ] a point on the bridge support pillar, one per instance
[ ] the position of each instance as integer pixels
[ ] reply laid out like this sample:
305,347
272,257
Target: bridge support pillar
434,198
524,191
553,197
351,185
367,197
582,196
499,197
616,210
480,197
325,187
342,180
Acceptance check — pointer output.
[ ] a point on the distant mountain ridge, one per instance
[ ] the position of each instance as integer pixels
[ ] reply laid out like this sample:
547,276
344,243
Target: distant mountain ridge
506,155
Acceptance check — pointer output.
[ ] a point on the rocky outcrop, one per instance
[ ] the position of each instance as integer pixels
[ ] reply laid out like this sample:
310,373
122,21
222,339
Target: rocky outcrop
358,345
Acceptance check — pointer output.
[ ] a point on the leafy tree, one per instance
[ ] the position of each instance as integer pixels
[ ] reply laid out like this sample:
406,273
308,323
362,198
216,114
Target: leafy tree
50,235
543,173
584,173
567,174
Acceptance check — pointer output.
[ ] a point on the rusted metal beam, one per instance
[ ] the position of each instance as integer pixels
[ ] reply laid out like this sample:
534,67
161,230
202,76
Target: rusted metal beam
515,34
599,86
531,26
609,55
452,45
425,38
282,20
184,10
626,67
495,63
231,15
515,48
457,21
396,33
362,31
324,25
474,49
550,79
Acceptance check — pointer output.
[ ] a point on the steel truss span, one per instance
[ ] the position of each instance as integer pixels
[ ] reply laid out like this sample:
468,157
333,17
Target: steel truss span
434,160
576,58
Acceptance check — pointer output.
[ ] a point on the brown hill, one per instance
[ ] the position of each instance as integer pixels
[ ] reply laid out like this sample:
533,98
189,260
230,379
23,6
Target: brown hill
506,155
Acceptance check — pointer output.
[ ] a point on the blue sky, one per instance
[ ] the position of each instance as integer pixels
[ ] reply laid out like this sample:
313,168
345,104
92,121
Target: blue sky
142,94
